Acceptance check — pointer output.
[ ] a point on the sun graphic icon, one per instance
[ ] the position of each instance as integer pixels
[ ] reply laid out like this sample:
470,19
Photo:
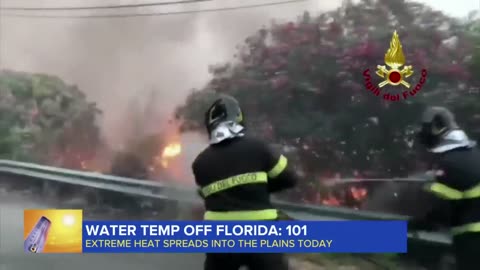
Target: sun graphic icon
68,220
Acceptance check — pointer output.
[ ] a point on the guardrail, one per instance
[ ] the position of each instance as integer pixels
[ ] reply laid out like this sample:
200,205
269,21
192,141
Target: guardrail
155,190
96,180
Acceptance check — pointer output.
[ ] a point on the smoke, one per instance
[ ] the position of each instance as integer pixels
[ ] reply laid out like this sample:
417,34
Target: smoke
396,198
119,60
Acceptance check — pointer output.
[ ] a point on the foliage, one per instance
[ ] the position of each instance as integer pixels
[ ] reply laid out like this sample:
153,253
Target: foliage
44,120
301,84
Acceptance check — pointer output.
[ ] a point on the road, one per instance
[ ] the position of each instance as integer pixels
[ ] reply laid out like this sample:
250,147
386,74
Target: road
13,258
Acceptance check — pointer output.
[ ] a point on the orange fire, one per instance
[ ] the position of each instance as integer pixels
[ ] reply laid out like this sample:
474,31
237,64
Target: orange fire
331,201
357,193
170,151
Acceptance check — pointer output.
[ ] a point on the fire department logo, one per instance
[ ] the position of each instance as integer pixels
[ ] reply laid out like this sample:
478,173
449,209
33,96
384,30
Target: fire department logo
395,59
394,74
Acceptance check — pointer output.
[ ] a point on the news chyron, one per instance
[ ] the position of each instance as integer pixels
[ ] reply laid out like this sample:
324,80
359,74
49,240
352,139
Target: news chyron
66,231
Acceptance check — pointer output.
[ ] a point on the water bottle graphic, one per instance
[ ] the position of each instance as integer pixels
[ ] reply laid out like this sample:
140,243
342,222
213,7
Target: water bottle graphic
37,238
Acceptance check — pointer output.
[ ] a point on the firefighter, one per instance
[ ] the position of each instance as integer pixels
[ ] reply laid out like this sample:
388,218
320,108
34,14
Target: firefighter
235,175
455,190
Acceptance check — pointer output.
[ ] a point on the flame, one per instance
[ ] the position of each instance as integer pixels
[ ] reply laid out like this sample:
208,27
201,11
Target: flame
332,201
172,150
358,193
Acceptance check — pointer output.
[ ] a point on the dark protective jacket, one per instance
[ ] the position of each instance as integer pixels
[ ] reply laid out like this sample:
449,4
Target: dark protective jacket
236,178
455,192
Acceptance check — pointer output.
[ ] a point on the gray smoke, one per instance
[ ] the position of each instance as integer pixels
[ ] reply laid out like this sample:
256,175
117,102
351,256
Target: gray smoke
118,60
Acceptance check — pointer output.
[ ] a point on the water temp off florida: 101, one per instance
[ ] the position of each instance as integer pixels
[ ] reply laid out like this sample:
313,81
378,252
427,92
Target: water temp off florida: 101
195,230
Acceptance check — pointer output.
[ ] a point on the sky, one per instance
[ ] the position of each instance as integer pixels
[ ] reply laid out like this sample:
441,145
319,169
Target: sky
117,61
457,8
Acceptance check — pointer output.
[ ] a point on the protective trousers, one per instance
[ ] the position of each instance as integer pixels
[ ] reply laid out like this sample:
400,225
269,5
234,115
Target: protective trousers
253,261
467,251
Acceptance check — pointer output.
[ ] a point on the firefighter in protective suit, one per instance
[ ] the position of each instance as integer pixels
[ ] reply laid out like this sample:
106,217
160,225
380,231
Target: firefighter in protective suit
235,175
455,192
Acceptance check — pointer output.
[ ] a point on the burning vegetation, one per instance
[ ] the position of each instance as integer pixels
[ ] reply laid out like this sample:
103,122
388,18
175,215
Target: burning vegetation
152,157
171,151
346,196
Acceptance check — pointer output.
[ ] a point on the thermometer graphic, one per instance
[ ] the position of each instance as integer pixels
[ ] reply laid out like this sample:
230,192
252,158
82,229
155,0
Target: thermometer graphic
36,239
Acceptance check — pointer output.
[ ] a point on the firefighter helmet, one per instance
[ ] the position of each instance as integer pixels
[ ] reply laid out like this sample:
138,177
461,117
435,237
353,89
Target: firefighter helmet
436,122
224,109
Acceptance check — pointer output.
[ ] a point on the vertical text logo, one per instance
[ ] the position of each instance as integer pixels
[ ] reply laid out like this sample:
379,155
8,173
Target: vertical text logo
396,75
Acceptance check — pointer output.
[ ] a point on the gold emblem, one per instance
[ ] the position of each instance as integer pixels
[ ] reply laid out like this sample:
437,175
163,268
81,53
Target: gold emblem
395,59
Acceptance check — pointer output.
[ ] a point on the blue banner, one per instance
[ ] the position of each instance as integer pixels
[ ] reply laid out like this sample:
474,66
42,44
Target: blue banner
244,237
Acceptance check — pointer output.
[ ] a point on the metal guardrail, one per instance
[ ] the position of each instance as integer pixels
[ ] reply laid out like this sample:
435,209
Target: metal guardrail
177,193
95,180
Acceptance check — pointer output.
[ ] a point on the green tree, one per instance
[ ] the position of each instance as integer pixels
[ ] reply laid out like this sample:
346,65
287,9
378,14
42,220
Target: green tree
44,120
